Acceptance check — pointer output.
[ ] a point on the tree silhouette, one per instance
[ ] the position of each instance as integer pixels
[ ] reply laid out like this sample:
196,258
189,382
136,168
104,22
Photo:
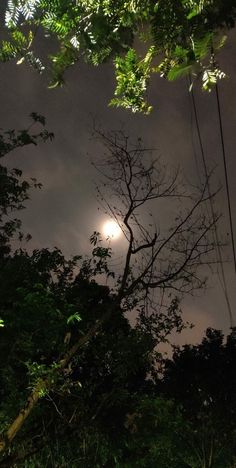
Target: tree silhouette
164,261
67,343
202,379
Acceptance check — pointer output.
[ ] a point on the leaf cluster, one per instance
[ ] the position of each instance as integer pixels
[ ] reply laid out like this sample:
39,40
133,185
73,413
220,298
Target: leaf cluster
182,36
14,190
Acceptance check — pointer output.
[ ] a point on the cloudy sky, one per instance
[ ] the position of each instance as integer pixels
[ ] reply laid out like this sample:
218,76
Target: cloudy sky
64,213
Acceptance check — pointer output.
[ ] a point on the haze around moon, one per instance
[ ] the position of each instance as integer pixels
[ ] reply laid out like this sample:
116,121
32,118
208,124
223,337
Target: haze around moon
111,230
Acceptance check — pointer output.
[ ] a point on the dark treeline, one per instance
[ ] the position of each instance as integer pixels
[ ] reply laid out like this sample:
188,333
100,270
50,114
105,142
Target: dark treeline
80,386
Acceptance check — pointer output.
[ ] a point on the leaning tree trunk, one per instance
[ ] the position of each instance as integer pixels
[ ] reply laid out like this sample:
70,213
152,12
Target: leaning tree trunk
7,437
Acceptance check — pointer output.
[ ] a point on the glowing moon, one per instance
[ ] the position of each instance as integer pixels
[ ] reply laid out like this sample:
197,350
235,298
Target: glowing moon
111,230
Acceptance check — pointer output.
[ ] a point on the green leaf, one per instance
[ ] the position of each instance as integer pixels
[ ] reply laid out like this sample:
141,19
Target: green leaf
132,75
74,318
202,46
211,77
178,72
192,14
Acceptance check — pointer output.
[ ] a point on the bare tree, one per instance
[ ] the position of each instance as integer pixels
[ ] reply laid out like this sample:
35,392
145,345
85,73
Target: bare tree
153,261
169,260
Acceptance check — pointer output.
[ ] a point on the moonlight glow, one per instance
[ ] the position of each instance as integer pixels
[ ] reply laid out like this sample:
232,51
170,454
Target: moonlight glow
111,230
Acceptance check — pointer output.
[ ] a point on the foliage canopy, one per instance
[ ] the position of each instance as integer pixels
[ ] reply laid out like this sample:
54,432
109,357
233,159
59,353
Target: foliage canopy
88,388
179,38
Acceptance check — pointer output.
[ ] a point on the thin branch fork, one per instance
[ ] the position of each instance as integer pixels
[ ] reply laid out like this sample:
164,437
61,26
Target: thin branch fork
137,183
140,279
175,274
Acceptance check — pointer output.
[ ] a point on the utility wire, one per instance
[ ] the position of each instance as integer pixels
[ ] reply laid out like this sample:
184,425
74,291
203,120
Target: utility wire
226,175
217,243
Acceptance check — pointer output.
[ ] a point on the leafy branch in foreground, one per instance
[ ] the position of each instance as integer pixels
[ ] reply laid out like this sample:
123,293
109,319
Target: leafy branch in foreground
178,38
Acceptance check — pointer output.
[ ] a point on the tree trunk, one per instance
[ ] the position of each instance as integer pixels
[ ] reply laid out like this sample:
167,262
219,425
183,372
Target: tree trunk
36,394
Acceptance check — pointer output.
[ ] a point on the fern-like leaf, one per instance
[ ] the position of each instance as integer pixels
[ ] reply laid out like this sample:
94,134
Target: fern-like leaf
179,71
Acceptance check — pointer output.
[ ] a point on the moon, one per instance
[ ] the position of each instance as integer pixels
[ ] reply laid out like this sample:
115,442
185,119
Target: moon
111,230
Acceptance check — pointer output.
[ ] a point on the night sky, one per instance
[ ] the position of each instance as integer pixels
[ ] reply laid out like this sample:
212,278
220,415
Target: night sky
64,213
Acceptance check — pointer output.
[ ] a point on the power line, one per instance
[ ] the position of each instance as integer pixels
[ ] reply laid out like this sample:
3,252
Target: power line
217,243
226,176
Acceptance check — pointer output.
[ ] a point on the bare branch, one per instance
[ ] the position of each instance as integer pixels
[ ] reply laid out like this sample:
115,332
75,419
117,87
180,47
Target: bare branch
137,179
